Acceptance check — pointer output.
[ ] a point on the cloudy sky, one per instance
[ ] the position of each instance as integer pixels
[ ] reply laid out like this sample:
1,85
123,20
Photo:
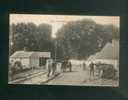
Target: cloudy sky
58,20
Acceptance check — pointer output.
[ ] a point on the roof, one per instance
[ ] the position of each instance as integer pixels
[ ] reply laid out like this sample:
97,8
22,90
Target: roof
27,54
21,54
110,51
43,54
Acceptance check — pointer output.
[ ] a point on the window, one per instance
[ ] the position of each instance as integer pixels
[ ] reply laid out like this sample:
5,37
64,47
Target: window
42,61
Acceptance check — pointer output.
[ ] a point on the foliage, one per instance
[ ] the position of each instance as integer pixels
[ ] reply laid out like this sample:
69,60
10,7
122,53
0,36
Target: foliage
75,39
30,37
80,39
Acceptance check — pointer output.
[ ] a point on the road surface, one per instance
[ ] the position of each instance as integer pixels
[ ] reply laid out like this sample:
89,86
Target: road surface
76,77
80,77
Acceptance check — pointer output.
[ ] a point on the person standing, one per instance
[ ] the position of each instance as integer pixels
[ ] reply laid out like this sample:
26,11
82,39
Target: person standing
53,68
99,68
70,66
91,69
84,66
49,68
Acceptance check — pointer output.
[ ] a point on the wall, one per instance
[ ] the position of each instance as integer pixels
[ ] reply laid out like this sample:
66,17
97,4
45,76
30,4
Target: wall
34,62
25,62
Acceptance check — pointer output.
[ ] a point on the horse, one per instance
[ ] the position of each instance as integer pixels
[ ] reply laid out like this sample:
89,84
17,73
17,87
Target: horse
65,65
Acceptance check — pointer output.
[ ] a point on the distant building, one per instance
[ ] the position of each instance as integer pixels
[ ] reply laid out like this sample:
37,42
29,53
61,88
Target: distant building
109,54
30,59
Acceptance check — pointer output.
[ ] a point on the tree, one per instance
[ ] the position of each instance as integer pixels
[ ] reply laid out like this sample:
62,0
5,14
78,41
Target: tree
30,36
43,37
82,38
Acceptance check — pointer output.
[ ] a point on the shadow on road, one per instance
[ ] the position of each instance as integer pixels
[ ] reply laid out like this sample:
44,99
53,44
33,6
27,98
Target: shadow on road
70,72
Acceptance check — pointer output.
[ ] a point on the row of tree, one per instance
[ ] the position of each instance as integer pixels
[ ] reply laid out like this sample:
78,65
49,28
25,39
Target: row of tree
75,39
30,37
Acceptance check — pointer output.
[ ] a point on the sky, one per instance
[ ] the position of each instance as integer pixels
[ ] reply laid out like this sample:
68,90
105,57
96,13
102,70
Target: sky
58,20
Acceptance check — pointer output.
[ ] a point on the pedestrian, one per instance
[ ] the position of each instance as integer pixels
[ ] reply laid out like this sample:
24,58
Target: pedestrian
99,68
70,66
53,68
62,66
91,69
84,66
49,68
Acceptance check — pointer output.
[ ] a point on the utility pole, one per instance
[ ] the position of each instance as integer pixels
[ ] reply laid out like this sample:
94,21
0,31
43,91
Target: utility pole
55,49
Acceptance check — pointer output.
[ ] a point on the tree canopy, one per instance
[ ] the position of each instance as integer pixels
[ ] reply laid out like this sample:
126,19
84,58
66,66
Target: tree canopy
31,37
75,39
80,39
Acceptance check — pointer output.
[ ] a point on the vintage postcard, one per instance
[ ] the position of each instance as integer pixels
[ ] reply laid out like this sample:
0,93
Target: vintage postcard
76,50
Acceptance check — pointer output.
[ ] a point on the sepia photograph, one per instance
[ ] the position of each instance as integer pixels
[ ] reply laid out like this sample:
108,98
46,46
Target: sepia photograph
73,50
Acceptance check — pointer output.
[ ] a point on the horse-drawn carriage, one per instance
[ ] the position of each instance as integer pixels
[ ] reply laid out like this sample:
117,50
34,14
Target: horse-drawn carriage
106,70
66,64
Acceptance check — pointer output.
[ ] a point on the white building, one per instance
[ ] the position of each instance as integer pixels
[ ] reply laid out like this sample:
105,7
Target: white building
30,59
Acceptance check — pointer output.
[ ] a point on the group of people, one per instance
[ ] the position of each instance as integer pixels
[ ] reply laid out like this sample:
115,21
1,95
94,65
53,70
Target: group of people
52,66
66,64
93,67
